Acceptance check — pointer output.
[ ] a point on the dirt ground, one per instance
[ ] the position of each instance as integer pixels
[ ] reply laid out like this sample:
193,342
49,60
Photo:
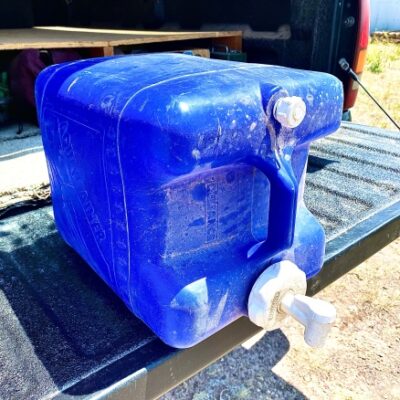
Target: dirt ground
361,359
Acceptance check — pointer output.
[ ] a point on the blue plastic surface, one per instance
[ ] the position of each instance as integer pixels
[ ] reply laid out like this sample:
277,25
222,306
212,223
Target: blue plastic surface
173,180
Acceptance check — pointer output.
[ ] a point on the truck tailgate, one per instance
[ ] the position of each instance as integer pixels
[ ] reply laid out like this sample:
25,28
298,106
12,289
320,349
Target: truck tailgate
64,333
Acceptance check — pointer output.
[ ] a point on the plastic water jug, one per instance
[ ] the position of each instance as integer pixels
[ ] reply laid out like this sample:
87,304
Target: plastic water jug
180,179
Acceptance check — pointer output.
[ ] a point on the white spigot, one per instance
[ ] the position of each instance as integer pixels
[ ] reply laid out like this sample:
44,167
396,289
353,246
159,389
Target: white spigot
290,111
280,291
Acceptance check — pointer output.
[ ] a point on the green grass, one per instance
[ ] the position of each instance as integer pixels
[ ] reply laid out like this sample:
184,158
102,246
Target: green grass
374,63
382,78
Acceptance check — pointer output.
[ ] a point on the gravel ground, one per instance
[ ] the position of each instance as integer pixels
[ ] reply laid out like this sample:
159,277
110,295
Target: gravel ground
361,359
23,168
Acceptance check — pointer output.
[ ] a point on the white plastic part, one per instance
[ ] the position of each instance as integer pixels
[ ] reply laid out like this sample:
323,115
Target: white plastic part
267,293
280,291
290,111
317,316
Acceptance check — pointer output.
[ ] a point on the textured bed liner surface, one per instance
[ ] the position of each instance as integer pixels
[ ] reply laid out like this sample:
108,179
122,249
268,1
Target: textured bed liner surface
352,175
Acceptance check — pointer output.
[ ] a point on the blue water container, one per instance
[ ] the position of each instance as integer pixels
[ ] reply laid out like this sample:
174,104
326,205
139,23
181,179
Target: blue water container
173,178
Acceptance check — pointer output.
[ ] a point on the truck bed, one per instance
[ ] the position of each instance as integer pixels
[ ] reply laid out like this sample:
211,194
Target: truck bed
64,333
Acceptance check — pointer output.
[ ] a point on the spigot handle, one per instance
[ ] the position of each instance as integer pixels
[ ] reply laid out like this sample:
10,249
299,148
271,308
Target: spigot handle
316,315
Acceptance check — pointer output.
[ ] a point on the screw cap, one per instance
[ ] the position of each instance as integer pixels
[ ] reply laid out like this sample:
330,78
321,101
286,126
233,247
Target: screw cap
290,111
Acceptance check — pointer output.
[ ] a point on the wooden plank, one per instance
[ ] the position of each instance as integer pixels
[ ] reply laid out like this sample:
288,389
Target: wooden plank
19,39
67,37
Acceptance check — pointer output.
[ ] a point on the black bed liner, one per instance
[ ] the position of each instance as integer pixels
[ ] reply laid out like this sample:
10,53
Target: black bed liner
64,333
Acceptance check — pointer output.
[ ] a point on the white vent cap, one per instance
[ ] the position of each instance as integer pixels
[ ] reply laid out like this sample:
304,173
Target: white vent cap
290,111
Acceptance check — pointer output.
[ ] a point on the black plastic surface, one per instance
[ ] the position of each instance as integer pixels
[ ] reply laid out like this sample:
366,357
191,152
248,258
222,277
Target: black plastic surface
63,332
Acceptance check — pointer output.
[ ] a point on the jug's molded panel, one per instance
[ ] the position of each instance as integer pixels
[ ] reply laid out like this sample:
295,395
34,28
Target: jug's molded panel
172,179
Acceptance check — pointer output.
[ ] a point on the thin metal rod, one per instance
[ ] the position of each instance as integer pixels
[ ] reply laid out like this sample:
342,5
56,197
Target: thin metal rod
355,77
346,67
